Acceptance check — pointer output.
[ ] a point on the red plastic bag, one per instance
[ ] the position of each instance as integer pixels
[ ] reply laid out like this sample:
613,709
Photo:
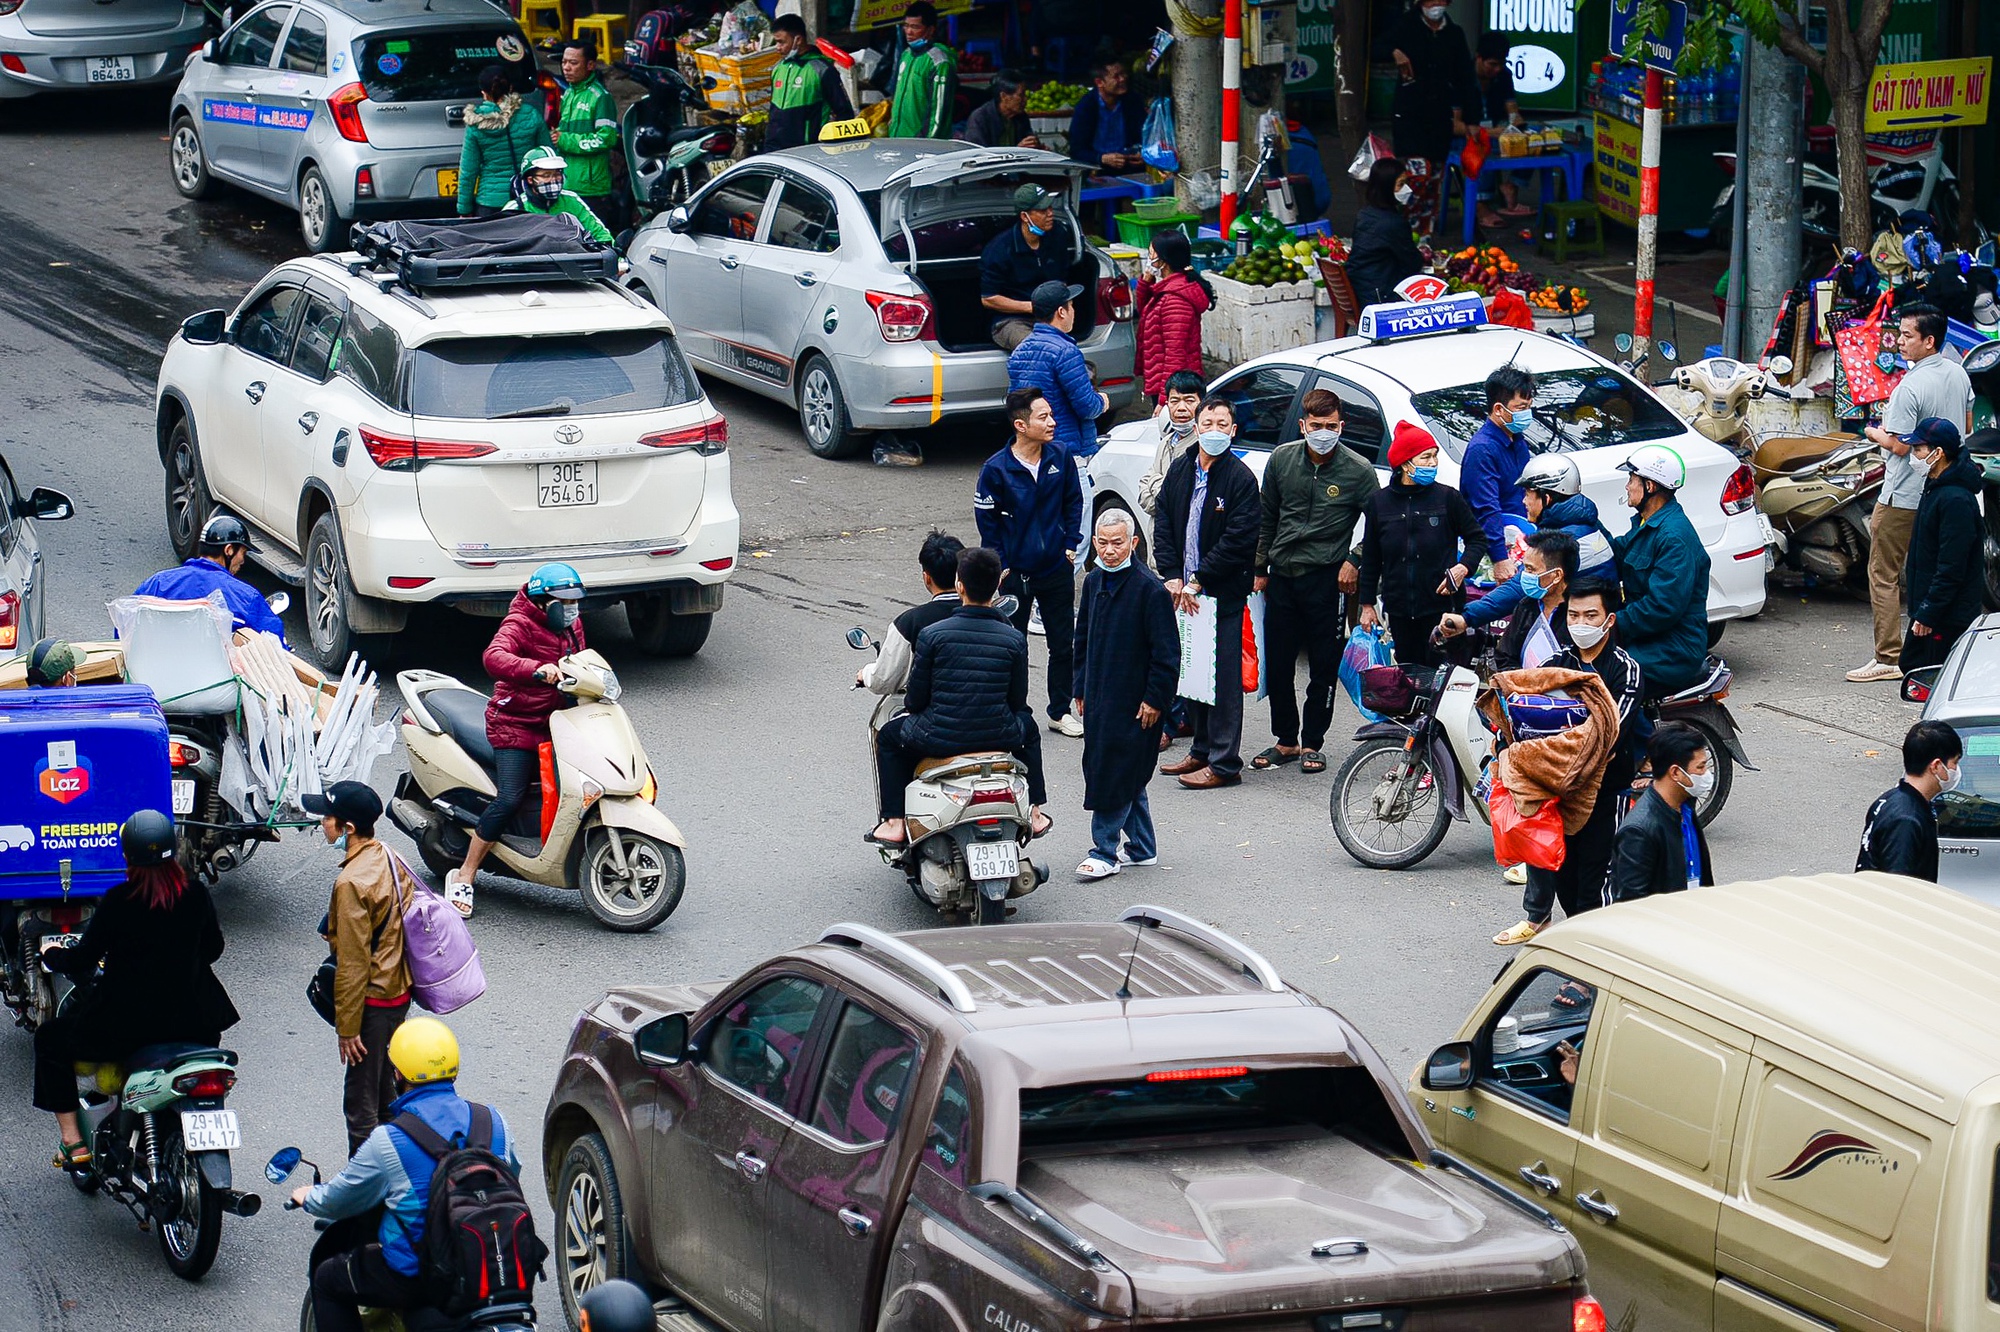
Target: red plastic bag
1251,674
1471,157
1519,839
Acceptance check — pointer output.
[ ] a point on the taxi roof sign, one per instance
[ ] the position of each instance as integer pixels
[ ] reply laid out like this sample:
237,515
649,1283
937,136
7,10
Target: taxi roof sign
1410,319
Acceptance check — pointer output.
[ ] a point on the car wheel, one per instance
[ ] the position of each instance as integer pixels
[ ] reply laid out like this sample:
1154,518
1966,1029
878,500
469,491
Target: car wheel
823,412
189,162
593,1246
320,222
661,633
188,502
329,593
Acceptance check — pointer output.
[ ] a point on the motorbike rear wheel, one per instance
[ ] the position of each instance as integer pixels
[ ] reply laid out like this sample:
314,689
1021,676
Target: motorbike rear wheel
189,1237
1723,766
646,894
1414,821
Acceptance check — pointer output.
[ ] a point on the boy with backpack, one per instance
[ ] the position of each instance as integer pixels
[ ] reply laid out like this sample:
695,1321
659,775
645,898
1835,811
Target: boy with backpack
456,1230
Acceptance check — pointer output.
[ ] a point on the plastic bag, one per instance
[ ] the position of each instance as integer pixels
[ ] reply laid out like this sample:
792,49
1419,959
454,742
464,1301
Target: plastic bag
180,650
1156,146
1373,149
1525,839
1365,648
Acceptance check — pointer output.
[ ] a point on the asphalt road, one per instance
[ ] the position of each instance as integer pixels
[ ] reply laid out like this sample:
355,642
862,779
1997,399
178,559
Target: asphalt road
759,744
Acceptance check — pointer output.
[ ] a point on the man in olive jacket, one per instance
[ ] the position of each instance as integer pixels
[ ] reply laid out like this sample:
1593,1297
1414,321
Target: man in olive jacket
1315,489
586,134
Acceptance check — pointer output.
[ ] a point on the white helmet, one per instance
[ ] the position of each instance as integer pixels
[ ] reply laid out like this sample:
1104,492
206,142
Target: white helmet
1554,472
1657,463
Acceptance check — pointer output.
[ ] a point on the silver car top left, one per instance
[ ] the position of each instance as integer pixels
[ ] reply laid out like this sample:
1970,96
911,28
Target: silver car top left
56,45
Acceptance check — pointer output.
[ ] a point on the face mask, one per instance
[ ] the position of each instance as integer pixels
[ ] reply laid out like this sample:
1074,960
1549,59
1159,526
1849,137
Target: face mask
1179,429
1034,230
546,192
1951,780
339,843
1404,194
1125,563
920,44
1587,636
1322,441
1522,420
560,615
1532,585
1423,476
1214,443
1435,13
1699,784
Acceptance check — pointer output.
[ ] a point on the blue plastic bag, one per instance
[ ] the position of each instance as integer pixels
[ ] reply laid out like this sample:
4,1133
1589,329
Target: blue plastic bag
1157,146
1365,648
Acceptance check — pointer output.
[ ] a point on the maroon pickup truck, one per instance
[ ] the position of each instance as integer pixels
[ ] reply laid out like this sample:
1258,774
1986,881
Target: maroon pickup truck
1025,1128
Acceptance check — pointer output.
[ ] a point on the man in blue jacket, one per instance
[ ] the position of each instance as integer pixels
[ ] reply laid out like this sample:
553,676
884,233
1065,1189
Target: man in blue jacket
1109,124
1552,495
224,546
1029,503
1665,570
1496,454
1049,359
391,1171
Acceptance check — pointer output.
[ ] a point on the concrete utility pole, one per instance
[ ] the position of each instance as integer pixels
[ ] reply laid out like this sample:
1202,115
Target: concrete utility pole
1197,88
1774,95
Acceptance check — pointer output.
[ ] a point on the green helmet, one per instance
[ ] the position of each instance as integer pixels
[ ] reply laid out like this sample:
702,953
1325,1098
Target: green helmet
542,159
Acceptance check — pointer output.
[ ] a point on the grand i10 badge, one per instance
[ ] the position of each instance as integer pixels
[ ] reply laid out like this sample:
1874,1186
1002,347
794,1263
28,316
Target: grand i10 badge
63,775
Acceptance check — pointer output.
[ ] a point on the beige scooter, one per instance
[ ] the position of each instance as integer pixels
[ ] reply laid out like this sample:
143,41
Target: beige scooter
605,837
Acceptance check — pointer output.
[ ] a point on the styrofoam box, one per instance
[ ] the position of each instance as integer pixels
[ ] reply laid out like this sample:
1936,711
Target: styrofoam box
1248,321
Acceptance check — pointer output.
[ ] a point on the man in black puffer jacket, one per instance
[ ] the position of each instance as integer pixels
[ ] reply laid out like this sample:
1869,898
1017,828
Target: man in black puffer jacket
1942,568
968,693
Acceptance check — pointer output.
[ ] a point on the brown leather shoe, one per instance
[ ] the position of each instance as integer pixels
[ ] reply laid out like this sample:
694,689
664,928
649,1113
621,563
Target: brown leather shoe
1166,742
1208,779
1181,766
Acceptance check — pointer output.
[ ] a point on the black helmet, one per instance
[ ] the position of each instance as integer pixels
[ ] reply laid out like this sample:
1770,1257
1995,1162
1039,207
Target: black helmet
147,838
616,1306
221,532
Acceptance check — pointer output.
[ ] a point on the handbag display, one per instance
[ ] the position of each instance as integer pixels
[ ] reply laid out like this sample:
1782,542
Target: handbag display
1867,355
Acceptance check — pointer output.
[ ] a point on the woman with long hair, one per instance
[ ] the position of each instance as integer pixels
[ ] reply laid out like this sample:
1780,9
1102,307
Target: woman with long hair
1172,300
154,936
1384,252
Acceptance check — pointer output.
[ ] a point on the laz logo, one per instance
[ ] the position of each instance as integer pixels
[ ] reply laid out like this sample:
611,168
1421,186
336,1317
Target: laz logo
63,784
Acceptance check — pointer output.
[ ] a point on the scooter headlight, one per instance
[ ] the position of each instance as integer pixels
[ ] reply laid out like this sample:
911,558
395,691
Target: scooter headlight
612,689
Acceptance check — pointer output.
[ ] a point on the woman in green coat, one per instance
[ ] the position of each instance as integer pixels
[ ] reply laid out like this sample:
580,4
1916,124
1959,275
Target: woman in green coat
498,132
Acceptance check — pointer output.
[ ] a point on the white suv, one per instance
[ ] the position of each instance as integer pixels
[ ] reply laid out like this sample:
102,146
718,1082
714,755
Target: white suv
400,446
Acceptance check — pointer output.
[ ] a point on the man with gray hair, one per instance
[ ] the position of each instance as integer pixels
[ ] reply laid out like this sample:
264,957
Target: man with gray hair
1128,656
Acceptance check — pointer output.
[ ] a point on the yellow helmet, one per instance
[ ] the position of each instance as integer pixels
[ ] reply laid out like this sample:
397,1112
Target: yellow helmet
424,1050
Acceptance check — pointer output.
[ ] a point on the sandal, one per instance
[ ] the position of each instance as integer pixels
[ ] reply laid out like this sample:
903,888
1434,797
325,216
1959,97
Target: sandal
1572,996
458,892
72,1156
1519,933
1048,826
1312,761
897,844
1274,757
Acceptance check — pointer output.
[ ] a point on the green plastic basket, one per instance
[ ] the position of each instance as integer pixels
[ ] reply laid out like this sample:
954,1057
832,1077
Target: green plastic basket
1156,209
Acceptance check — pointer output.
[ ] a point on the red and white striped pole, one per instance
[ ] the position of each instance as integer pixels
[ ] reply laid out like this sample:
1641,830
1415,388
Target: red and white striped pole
1232,105
1649,211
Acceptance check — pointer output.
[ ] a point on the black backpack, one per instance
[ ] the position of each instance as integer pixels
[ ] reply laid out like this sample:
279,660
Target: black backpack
480,1245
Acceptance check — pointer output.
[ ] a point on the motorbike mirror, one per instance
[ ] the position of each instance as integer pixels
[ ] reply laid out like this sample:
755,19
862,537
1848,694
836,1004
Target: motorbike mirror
857,638
1623,342
1667,352
1449,1068
707,82
677,218
279,602
1781,365
1007,605
1920,684
282,1163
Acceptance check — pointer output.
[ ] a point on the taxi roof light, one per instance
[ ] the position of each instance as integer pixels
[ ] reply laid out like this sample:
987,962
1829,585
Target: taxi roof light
1412,319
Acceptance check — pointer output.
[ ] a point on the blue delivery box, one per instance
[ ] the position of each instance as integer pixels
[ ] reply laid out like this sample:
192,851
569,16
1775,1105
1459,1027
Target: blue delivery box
74,765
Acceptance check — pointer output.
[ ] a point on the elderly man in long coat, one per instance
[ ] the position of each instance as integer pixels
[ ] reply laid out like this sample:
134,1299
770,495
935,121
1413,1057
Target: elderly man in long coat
1128,656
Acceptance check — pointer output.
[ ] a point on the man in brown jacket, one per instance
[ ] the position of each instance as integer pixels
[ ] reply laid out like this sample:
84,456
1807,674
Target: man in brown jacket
371,977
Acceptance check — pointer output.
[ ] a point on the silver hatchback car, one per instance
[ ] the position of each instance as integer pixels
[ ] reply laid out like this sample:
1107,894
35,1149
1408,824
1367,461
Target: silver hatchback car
342,109
843,278
1964,693
52,45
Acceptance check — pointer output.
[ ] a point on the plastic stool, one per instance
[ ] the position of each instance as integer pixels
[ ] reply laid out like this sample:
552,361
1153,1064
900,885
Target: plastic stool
531,18
609,49
1552,229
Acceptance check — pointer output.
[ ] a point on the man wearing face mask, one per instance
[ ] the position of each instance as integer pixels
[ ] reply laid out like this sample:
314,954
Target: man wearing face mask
1035,251
1314,492
1175,422
1900,836
1495,457
543,625
1942,568
1437,89
926,79
1665,570
1660,847
539,189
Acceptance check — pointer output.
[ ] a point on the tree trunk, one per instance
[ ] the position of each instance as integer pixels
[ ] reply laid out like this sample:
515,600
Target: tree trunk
1351,60
1197,90
1848,90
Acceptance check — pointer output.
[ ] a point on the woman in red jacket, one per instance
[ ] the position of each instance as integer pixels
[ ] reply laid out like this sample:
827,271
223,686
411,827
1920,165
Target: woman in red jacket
542,627
1171,303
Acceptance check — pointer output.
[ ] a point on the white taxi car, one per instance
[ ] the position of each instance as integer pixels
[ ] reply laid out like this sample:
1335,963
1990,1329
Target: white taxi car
1428,364
398,447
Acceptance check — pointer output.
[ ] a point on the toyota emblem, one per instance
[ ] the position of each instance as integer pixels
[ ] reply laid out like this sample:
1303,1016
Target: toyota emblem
569,434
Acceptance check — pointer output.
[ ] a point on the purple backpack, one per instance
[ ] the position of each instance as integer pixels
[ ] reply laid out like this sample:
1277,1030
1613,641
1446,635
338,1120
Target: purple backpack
445,974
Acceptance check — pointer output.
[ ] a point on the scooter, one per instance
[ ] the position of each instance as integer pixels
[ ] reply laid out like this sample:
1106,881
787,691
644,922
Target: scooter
213,837
160,1134
1399,790
666,159
1818,502
598,832
1701,706
968,821
1725,388
1924,183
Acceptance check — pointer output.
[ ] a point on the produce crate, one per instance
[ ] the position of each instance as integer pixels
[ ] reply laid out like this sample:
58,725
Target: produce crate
1252,321
1055,122
1139,231
742,83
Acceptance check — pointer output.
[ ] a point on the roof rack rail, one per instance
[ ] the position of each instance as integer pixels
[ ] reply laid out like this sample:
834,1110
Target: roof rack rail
1253,963
952,989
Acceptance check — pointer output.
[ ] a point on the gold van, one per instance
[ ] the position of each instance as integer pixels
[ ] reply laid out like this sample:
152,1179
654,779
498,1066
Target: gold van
1781,1106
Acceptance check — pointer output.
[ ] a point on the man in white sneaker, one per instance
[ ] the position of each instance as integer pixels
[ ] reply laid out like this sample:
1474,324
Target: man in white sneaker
1935,385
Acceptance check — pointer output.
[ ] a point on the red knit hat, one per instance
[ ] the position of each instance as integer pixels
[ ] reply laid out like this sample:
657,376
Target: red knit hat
1409,440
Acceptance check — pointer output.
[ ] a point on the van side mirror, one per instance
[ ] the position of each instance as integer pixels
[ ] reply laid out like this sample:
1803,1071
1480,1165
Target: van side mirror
663,1040
1449,1068
1920,684
51,506
677,218
204,329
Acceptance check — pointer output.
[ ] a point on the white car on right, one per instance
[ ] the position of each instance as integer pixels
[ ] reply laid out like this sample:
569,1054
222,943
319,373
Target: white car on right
1435,375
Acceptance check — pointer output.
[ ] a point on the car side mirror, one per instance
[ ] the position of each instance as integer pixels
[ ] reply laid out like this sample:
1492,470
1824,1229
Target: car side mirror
1920,684
677,218
1449,1068
282,1163
206,328
857,638
663,1040
50,506
209,48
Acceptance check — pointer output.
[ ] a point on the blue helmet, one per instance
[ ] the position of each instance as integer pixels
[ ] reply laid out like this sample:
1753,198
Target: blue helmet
560,581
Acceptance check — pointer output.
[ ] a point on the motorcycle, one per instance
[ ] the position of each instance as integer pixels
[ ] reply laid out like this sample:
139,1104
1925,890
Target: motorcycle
1701,706
666,159
968,821
214,837
1818,494
599,831
1923,183
350,1233
1725,388
160,1134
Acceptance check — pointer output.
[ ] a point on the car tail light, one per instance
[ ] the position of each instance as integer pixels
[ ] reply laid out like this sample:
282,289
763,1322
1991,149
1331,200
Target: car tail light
1587,1316
903,318
11,62
993,795
364,183
345,105
1198,1074
720,144
709,438
1739,493
1114,300
407,581
403,454
181,754
409,718
209,1082
10,619
717,566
